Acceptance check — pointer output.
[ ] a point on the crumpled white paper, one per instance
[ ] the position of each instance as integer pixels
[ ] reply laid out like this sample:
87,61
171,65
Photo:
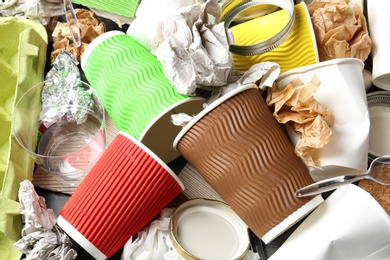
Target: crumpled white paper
33,9
153,242
144,27
180,119
193,49
262,74
350,224
41,237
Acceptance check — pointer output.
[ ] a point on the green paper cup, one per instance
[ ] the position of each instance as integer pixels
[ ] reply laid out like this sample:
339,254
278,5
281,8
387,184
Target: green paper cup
135,91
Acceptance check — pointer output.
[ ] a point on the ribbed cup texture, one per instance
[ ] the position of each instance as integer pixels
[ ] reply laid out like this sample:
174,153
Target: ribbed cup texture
243,153
122,193
300,44
131,82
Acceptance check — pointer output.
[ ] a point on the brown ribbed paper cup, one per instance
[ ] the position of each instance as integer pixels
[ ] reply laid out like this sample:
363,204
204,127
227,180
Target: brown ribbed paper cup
244,154
124,191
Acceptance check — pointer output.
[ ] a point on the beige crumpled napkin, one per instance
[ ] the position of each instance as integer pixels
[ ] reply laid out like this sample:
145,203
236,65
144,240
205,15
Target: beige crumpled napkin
193,50
295,104
341,30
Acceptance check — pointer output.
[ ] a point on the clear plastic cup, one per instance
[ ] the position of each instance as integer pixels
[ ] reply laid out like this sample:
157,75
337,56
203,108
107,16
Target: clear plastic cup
67,147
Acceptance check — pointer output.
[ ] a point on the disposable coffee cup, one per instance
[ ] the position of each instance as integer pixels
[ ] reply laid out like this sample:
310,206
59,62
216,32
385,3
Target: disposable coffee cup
135,91
124,191
378,24
244,154
299,41
341,90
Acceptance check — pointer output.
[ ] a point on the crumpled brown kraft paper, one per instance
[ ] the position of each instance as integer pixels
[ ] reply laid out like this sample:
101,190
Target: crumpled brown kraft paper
341,30
296,105
90,28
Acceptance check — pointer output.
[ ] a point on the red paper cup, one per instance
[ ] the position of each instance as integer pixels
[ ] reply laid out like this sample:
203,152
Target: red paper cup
124,191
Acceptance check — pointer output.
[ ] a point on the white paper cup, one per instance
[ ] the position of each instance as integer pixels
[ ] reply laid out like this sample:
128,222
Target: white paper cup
342,90
350,224
378,23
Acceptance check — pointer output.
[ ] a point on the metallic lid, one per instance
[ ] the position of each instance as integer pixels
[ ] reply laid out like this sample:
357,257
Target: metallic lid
234,8
379,110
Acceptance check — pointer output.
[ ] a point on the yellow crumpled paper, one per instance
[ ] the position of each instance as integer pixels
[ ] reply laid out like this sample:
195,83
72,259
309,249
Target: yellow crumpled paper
296,105
90,28
340,30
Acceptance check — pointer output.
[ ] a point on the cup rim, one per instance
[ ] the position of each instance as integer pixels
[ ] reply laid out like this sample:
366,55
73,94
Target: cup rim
166,110
94,43
209,108
80,238
154,156
371,102
36,155
268,44
319,65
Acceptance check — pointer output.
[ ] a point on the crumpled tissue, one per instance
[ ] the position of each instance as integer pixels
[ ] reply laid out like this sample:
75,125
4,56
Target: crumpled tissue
148,16
193,50
39,10
262,74
41,237
153,242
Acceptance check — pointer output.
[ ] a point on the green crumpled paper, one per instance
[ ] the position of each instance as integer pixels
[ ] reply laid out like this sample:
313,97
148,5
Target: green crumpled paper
23,45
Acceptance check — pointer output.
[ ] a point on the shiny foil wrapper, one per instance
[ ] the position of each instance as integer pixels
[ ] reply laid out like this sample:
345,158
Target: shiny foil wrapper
64,97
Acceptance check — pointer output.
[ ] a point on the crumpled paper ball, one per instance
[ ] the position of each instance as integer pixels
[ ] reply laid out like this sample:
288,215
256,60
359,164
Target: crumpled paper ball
340,29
